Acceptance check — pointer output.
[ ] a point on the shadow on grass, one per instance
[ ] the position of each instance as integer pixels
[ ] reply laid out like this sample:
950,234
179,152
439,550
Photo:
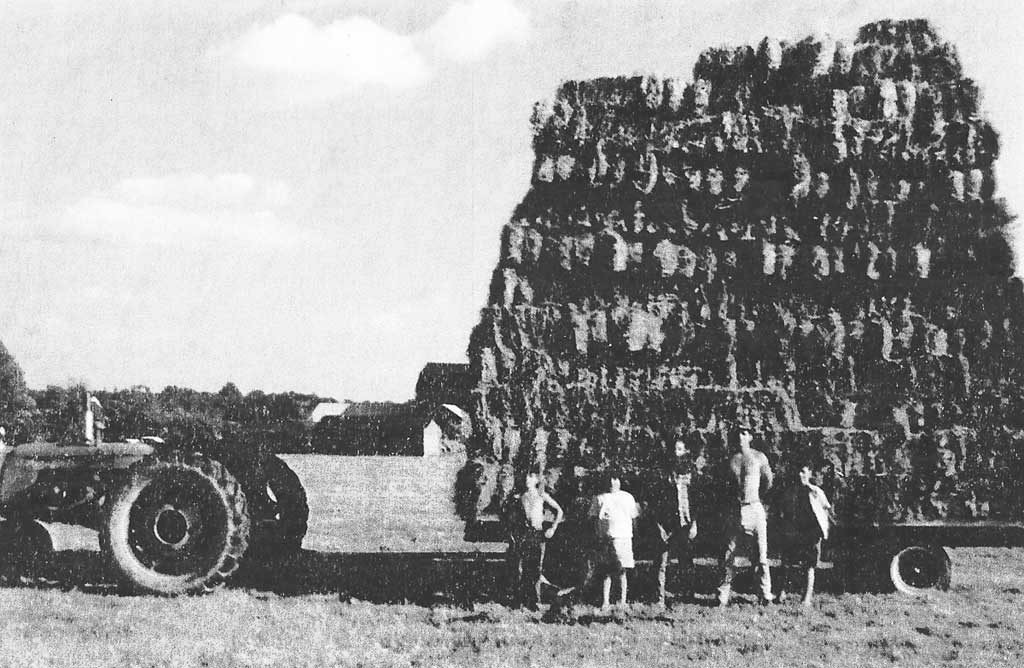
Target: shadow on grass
83,570
424,578
385,577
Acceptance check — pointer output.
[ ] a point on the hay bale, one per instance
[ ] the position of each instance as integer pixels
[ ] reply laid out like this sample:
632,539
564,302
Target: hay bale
804,238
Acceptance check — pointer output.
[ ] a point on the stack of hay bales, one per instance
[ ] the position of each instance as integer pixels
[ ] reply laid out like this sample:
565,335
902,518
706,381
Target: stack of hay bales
804,237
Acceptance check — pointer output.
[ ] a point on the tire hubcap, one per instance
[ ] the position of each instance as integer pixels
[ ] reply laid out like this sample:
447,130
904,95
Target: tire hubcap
171,527
178,524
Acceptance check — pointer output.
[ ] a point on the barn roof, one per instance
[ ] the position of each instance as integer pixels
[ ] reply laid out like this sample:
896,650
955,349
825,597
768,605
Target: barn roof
326,408
444,382
379,409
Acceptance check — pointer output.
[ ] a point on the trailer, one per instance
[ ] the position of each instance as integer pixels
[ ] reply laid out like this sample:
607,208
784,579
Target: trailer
883,531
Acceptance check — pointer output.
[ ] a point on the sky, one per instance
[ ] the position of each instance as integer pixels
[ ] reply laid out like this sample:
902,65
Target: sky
308,196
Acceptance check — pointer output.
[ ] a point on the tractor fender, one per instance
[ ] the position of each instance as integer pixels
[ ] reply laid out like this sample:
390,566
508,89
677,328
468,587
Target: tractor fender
21,465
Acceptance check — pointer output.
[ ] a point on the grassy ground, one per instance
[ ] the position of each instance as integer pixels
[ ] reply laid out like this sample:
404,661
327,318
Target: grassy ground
68,613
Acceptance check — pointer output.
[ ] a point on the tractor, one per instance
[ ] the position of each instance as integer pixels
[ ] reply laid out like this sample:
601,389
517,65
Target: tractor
170,521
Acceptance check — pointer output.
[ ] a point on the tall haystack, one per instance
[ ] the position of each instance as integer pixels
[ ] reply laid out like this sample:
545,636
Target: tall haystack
804,237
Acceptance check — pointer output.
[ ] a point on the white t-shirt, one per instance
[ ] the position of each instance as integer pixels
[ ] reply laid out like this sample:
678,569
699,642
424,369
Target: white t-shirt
615,512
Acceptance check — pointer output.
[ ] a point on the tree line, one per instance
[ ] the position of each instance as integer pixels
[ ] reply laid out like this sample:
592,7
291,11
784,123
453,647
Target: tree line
183,417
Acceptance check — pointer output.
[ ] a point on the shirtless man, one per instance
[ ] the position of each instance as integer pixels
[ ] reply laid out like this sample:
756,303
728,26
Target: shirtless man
530,539
750,472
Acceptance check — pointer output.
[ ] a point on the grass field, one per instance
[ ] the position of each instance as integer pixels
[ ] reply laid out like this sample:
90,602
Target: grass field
68,613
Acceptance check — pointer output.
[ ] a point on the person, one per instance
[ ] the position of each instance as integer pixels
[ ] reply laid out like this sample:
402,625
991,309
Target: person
806,520
613,513
95,423
530,538
751,474
4,448
674,523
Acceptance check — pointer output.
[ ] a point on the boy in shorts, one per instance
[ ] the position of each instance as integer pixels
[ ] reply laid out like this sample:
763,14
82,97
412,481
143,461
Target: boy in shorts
806,518
613,513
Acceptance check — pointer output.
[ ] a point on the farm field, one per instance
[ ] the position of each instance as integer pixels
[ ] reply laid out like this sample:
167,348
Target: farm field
68,613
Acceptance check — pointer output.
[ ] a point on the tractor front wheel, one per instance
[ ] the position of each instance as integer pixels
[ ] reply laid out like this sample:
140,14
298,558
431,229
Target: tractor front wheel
178,526
24,544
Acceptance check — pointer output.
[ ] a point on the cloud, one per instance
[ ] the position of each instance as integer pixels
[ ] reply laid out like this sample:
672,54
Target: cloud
202,190
298,61
345,54
182,210
469,31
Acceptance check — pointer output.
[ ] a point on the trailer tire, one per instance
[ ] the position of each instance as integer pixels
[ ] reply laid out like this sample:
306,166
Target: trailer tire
919,569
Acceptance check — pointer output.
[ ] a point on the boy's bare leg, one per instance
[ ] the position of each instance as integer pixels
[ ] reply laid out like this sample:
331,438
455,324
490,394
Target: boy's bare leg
662,576
606,591
809,592
622,588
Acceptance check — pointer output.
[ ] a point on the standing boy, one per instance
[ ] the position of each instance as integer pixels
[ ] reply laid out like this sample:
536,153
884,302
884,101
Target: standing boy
531,536
750,472
614,513
670,505
805,513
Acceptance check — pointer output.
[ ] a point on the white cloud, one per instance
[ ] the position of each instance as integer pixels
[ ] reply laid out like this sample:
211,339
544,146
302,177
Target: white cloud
298,61
182,209
339,56
470,30
202,190
105,219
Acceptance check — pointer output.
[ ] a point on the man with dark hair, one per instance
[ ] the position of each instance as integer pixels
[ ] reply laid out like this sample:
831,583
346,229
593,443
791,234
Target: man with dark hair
613,513
668,501
750,472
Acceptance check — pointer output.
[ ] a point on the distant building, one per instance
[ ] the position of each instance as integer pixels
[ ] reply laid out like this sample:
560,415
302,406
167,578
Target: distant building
444,383
447,430
435,422
326,408
386,428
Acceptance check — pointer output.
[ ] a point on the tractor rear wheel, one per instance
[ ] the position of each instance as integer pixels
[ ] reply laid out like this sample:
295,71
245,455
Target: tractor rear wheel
280,513
178,526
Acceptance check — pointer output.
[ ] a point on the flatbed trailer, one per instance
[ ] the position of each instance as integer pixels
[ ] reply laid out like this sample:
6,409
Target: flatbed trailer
908,557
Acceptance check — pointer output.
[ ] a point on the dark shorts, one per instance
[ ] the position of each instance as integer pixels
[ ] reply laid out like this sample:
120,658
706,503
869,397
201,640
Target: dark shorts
802,553
530,542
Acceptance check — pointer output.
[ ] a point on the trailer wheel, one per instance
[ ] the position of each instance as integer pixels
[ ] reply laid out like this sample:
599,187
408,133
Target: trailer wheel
918,569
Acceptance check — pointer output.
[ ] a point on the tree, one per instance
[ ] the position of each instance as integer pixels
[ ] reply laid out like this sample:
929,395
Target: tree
231,402
17,409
